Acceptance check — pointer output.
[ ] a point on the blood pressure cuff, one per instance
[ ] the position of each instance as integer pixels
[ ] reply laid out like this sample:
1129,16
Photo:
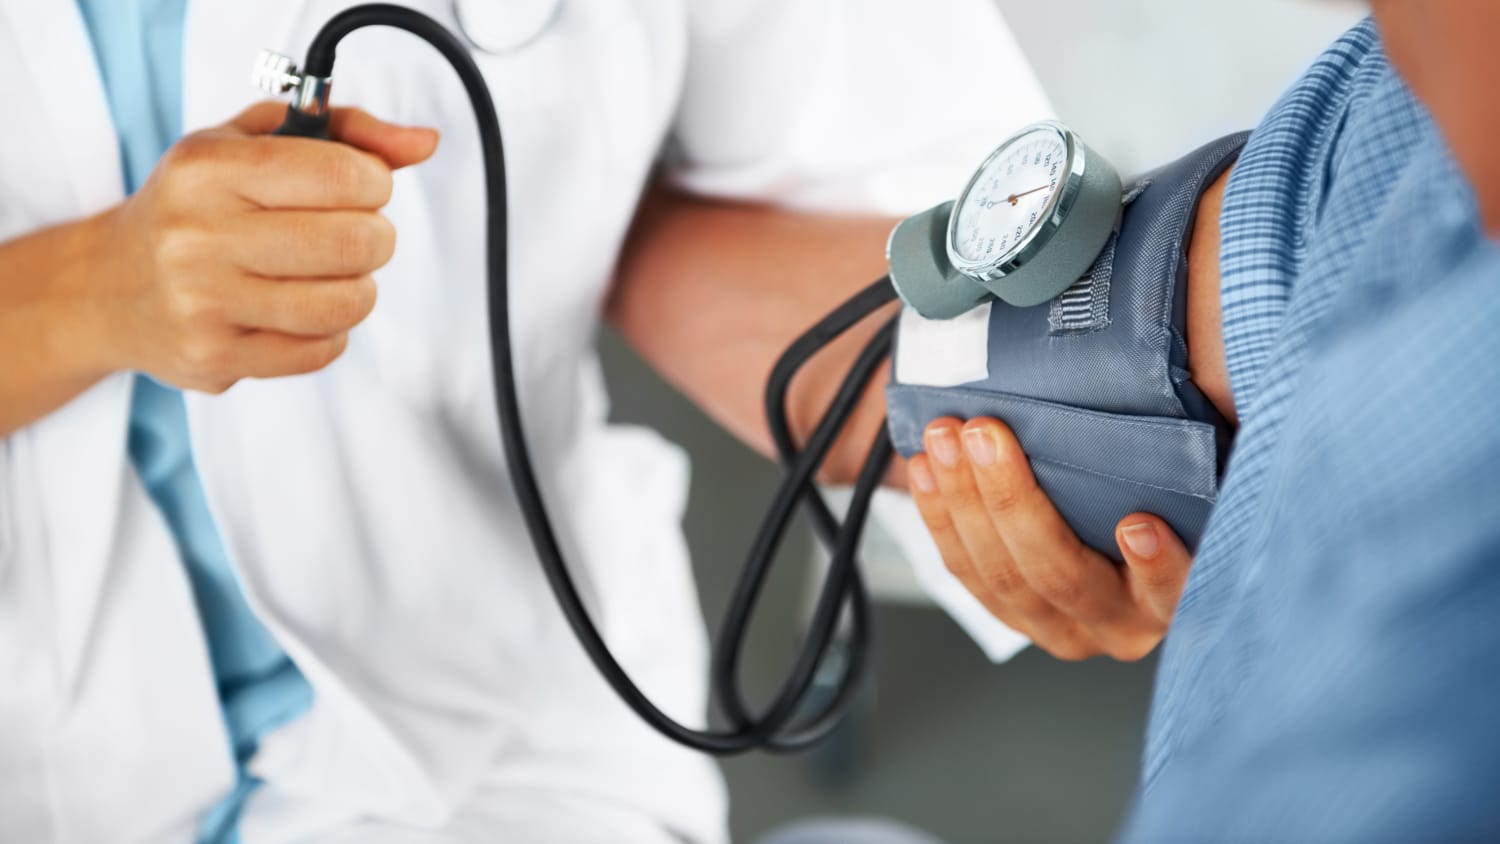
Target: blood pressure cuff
1095,382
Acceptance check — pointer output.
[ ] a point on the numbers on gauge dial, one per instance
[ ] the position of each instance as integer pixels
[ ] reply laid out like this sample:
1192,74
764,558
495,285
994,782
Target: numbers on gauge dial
1006,200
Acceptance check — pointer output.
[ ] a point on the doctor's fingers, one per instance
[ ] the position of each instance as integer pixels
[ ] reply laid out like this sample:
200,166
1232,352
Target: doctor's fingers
303,307
974,554
311,244
1080,582
214,366
272,172
399,146
268,354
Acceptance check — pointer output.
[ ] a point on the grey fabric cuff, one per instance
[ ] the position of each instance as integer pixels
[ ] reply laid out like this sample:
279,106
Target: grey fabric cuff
1095,383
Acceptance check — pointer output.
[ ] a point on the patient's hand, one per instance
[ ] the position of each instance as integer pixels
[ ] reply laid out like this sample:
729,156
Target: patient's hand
1000,535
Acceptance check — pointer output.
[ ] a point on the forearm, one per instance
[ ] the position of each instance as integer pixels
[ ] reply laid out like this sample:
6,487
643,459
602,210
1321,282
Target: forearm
711,294
49,325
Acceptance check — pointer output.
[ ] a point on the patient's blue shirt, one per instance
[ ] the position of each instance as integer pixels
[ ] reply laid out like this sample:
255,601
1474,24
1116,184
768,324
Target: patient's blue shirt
1333,671
138,45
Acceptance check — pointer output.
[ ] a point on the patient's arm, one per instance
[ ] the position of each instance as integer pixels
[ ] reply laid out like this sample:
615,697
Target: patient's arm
711,293
1205,324
1000,535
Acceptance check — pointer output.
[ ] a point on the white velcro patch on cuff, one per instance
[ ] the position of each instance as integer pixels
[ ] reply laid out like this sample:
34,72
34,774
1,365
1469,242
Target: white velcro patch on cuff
943,352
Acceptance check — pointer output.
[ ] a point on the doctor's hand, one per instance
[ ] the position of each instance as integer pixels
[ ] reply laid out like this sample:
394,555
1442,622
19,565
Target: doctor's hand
247,255
1003,539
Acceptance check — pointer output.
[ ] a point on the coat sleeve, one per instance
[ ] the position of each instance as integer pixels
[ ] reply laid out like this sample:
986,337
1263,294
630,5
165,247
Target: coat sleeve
878,106
864,106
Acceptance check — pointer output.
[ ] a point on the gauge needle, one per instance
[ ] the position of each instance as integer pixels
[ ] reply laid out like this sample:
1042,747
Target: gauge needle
1015,198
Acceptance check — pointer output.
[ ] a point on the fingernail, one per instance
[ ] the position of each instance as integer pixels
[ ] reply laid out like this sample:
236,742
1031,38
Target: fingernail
980,446
921,477
1141,539
943,445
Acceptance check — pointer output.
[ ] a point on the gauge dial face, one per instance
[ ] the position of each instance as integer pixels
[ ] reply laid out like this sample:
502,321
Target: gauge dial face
1010,197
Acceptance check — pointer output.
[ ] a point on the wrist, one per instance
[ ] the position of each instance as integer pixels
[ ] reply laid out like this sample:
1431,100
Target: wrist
85,319
52,325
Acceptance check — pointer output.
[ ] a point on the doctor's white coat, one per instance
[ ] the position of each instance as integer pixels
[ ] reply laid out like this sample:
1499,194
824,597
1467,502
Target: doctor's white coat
366,506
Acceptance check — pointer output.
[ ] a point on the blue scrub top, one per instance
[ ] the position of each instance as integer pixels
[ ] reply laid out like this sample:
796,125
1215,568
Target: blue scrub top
138,46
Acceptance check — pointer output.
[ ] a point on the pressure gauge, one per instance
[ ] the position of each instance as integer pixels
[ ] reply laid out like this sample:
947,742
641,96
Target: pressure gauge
1035,215
1011,200
1030,222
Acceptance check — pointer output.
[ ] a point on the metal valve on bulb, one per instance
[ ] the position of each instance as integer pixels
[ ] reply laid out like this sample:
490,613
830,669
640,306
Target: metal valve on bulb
307,114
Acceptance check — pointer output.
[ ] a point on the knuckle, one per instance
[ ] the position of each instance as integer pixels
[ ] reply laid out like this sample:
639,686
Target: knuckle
356,247
381,184
367,293
351,304
1071,649
190,149
1131,648
1002,580
378,180
1059,586
964,499
1161,578
1008,483
256,158
342,311
965,504
1002,496
383,239
218,387
340,177
189,166
202,358
352,178
335,349
1079,556
178,246
955,566
317,355
192,306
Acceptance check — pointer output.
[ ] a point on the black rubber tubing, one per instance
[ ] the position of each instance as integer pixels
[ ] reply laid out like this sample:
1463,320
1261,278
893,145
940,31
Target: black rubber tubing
774,730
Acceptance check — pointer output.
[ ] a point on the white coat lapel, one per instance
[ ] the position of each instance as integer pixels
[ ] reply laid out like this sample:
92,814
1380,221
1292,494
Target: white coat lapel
80,449
59,60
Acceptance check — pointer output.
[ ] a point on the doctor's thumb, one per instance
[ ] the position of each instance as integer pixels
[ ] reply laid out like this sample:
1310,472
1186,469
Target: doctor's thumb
399,146
1156,563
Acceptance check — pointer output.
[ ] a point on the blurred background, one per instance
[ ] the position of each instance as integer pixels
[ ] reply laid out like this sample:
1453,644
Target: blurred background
1033,750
